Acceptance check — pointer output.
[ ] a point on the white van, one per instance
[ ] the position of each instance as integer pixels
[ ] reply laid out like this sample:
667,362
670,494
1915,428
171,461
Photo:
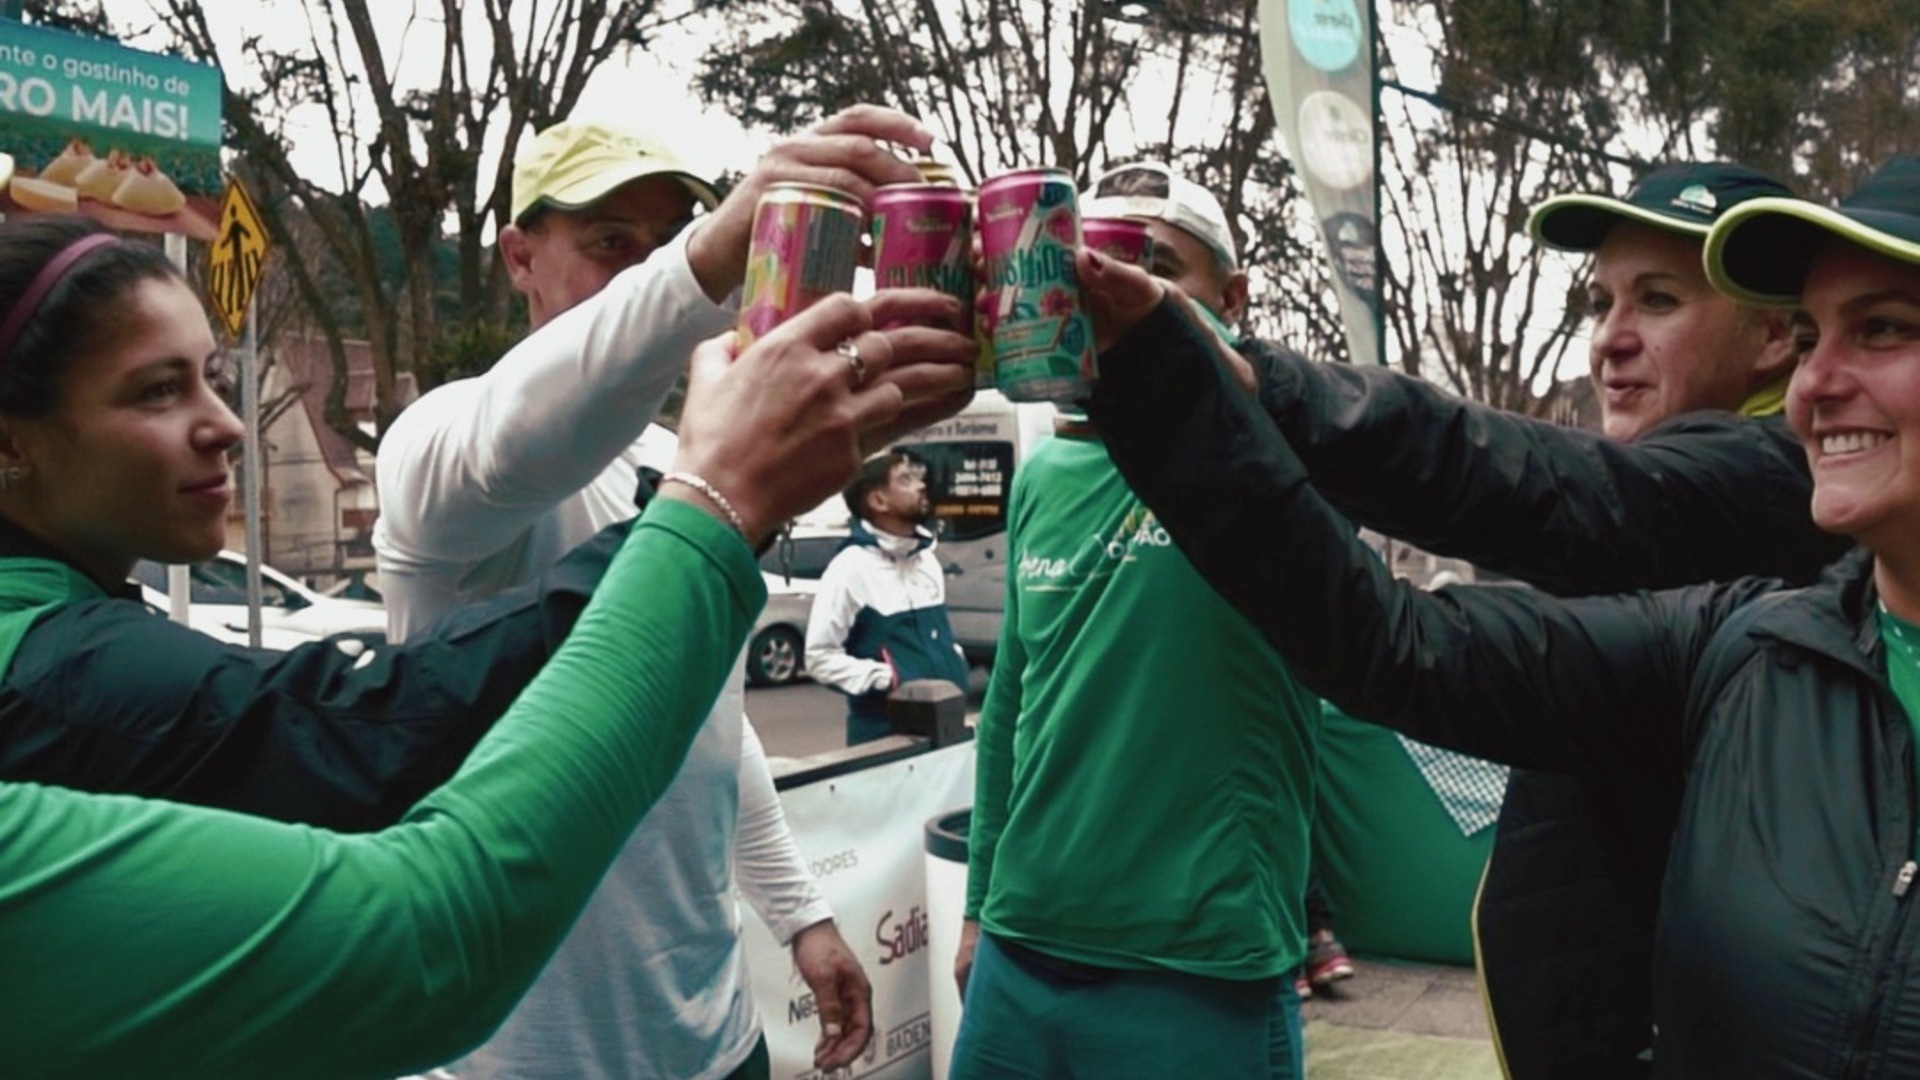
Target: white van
970,461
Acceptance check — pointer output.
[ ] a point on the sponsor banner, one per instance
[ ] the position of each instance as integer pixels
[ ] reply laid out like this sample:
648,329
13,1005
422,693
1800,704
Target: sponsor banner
1320,68
864,836
127,137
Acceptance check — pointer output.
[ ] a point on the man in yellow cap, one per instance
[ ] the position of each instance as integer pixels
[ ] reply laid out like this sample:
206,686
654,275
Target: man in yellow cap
488,480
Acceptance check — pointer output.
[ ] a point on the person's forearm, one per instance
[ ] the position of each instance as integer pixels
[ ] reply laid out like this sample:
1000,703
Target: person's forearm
233,941
543,422
771,872
315,735
1569,510
1506,674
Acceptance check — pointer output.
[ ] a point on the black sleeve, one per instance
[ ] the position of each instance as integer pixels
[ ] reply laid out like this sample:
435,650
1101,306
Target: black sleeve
108,696
1505,673
1708,496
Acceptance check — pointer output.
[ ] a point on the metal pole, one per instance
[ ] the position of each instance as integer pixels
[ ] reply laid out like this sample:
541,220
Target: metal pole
250,471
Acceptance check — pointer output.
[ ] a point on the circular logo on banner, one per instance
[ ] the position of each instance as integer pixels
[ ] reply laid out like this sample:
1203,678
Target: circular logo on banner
1353,244
1336,138
1325,32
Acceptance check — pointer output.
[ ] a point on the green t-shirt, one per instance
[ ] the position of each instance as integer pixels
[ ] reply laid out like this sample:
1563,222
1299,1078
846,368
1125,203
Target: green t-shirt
1902,639
1144,785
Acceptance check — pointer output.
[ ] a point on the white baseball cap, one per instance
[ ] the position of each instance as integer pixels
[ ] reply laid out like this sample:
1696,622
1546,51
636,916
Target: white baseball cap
1152,190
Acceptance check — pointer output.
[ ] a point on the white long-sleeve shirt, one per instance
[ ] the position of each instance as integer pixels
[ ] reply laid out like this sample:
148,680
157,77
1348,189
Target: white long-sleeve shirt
484,483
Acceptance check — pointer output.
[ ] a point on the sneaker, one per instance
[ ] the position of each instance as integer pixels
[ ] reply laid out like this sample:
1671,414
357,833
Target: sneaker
1302,987
1327,963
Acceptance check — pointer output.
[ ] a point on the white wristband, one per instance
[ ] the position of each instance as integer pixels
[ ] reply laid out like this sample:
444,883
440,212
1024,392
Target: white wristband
700,484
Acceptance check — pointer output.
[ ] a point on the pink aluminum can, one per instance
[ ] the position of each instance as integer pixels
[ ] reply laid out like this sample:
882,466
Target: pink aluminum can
923,237
1124,239
1029,224
806,243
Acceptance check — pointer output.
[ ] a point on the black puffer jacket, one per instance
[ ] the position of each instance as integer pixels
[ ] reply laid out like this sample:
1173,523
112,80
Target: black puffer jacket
1785,946
1566,911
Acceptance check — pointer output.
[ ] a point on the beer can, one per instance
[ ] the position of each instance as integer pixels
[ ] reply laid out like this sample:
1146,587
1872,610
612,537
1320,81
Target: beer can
1029,224
923,238
806,243
1121,239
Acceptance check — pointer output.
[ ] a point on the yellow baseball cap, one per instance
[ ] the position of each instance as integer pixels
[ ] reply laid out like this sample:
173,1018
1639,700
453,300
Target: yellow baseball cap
574,164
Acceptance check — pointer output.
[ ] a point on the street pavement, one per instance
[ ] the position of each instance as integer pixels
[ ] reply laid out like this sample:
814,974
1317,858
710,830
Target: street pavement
1397,1021
1391,1021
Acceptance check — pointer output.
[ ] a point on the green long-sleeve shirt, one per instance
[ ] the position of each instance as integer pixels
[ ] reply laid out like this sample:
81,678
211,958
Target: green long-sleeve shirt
1144,783
150,939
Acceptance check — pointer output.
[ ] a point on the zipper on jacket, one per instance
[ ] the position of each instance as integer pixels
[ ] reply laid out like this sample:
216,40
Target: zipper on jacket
1861,1051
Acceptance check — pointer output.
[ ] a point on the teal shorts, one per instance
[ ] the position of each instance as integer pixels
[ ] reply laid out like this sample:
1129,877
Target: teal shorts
1029,1015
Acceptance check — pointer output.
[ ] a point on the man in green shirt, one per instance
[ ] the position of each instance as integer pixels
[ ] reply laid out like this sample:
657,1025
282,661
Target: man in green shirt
1139,842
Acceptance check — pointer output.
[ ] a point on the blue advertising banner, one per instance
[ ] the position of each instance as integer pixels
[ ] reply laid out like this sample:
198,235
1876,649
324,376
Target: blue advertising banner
130,138
1318,57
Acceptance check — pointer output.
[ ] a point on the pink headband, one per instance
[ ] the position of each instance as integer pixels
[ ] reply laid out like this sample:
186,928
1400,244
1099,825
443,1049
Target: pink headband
43,283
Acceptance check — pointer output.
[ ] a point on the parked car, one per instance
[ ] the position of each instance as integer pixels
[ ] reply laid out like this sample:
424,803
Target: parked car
777,648
289,611
791,566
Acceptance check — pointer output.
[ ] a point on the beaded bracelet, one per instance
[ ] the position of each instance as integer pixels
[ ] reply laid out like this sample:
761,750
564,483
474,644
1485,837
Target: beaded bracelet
700,484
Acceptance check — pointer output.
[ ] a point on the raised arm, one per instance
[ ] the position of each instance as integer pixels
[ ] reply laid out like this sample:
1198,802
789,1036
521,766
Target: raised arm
102,695
473,462
1503,673
1708,496
238,940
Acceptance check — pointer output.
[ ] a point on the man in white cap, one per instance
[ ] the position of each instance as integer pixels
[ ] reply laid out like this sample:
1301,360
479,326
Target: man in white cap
1138,848
487,481
1193,247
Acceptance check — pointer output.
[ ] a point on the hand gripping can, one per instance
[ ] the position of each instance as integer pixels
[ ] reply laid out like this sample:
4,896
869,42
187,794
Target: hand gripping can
923,238
806,243
1122,239
1029,225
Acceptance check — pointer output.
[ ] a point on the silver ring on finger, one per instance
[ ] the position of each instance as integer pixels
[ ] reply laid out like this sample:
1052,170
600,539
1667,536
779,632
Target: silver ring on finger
851,350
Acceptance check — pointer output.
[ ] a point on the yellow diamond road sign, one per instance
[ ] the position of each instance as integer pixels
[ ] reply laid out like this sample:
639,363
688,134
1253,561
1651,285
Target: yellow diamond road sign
239,254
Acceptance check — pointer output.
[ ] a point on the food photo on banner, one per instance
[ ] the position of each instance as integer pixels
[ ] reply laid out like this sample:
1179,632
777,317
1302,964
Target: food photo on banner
128,138
864,837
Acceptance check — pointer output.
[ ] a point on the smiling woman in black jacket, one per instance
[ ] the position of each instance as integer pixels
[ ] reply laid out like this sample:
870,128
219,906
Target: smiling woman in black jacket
1778,718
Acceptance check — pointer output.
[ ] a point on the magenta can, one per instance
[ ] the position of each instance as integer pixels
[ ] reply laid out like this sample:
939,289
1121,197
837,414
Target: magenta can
806,244
1122,239
1029,224
923,237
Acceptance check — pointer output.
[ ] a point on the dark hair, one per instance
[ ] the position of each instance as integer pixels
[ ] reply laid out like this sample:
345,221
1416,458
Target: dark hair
874,474
74,314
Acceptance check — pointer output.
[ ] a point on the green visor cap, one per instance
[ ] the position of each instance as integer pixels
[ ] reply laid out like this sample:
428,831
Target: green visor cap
1759,253
1687,198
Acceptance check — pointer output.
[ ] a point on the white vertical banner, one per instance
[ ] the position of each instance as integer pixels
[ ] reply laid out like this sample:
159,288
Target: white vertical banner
1318,58
864,836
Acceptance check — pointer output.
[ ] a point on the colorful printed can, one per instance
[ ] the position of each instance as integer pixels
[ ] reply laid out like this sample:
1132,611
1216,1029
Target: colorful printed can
1124,239
923,238
806,243
1029,224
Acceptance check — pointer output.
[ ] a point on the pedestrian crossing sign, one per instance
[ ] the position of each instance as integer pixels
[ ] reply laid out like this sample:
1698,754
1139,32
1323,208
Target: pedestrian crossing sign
239,254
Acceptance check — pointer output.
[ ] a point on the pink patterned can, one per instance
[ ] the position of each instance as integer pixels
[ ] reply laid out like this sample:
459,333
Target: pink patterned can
923,238
806,244
1029,225
1123,239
